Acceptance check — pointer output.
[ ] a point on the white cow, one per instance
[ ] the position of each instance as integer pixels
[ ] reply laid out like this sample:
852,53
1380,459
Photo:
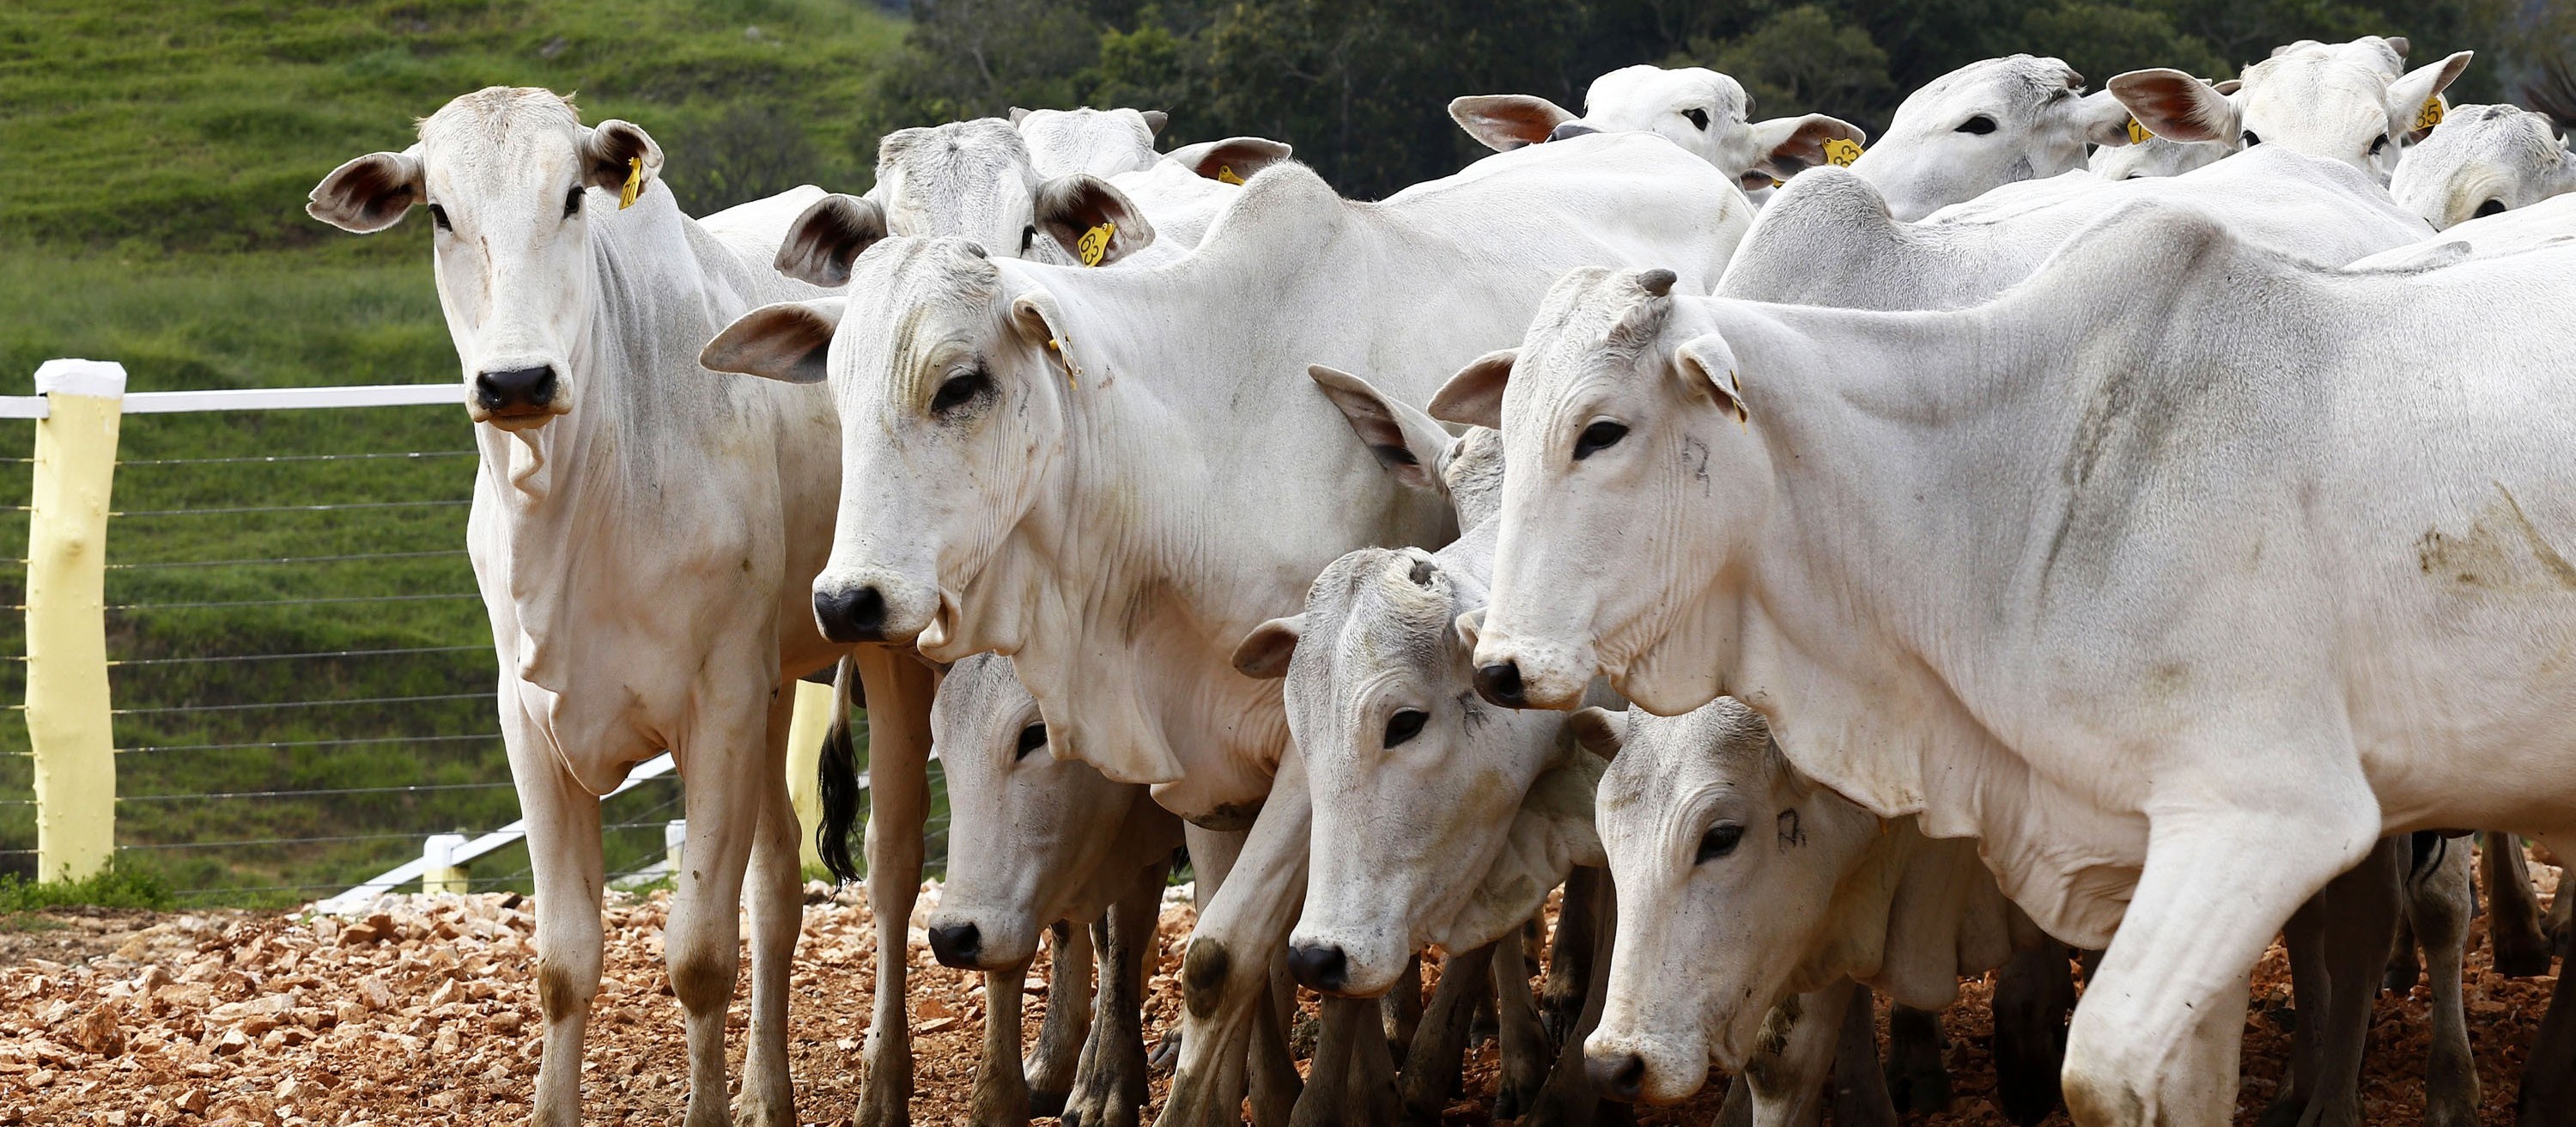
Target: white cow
1056,476
999,184
1699,109
2551,221
2182,555
1744,886
642,533
1829,237
2353,102
1034,840
1990,123
2481,161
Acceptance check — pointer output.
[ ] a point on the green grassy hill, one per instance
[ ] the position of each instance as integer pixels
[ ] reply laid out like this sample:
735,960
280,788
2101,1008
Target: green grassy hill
154,160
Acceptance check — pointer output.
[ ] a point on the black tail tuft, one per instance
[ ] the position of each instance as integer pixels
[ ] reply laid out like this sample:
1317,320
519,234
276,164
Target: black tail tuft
2553,93
837,780
2430,849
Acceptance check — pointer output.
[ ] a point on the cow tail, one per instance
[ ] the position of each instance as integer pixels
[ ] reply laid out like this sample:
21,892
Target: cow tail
2430,849
837,779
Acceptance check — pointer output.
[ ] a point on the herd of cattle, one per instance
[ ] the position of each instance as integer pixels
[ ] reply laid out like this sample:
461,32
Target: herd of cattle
2137,522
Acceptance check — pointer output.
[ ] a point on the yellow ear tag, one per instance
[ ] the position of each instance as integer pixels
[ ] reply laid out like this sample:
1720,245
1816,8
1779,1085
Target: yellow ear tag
1777,182
634,183
1072,374
2431,114
1842,151
1094,243
1225,175
2138,133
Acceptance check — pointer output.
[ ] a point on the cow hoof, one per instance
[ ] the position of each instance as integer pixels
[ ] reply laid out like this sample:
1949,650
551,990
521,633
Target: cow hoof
2521,957
2403,970
1167,1052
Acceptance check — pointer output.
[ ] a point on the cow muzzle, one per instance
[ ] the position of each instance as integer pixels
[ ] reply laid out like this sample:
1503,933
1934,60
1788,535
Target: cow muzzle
518,398
873,606
1634,1070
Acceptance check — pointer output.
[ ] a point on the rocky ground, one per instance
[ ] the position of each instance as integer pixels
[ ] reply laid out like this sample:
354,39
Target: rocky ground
424,1011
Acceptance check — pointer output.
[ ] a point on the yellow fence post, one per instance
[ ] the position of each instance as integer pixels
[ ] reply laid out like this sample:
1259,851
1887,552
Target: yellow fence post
439,871
68,723
813,718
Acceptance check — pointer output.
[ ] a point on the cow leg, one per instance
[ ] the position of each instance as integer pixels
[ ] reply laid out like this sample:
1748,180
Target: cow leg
2362,911
2304,938
2513,909
1067,1023
564,856
1401,1009
1433,1063
2439,901
1526,1054
2033,995
775,901
2155,1039
1225,975
1916,1078
899,690
1569,959
702,942
1861,1098
1001,1094
1570,1099
1111,1089
2404,970
2548,1096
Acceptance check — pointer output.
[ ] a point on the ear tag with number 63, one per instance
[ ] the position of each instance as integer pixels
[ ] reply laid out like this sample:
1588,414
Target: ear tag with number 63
1841,151
1094,243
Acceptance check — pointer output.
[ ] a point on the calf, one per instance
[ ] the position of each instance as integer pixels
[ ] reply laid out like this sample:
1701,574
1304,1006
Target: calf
1745,886
1984,125
1704,112
1034,840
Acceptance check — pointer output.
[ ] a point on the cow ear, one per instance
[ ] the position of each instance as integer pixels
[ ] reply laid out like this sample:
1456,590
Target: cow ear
2103,119
1070,207
1155,120
788,341
1405,442
832,233
612,150
1783,146
1265,652
1232,160
1018,115
2228,85
2400,44
370,193
1707,367
2408,95
1475,395
1507,121
2177,106
1039,321
1599,730
1465,627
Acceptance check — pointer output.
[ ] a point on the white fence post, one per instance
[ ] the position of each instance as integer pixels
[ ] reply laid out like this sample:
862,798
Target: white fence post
675,838
439,871
69,726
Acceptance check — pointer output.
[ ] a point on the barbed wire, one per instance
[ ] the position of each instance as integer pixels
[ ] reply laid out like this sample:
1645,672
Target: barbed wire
283,744
179,708
409,454
337,506
304,602
277,560
483,649
416,788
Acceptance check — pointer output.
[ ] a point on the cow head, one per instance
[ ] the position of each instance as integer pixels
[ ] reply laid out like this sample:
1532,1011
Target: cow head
1025,829
1100,142
513,182
1625,456
2483,160
1985,125
1704,112
2351,102
953,383
1730,867
976,180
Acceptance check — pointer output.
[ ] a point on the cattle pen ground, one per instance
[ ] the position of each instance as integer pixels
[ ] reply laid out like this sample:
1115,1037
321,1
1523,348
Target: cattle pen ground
423,1010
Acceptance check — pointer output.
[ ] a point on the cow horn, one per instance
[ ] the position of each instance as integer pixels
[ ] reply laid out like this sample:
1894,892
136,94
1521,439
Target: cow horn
1657,283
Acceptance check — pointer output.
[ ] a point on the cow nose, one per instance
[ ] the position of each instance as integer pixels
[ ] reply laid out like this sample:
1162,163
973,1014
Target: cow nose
956,945
1501,684
1569,129
856,615
1319,967
515,387
1620,1077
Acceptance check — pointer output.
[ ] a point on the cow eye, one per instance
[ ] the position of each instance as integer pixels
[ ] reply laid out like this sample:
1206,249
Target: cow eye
1032,738
438,216
2252,139
1028,238
1598,437
2378,145
2491,207
1718,842
572,202
1404,725
958,390
1980,125
1698,119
